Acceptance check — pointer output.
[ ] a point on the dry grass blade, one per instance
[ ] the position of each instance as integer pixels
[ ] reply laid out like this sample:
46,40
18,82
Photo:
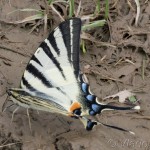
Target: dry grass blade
130,5
25,10
129,61
31,18
87,17
45,23
2,57
94,24
35,26
79,9
115,3
14,51
59,1
143,68
138,11
105,76
53,8
87,36
123,95
11,144
142,117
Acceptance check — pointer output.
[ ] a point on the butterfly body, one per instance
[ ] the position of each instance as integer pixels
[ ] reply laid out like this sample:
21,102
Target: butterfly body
28,100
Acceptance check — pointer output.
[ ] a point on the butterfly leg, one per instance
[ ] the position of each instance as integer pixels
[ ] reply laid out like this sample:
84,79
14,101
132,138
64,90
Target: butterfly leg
4,109
29,119
14,113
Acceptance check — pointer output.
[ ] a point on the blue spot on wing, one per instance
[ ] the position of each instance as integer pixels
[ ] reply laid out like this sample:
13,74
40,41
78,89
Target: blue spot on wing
85,87
94,107
97,108
91,98
92,113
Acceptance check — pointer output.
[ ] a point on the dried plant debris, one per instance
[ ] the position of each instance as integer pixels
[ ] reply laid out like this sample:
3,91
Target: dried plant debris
123,96
3,84
7,142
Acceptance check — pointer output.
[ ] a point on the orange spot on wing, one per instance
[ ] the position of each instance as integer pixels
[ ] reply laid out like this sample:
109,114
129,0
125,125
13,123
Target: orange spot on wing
74,106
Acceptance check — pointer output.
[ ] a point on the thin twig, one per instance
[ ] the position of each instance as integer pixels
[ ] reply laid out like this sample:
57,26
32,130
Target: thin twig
12,117
118,61
11,23
115,3
141,117
53,8
130,5
143,68
14,51
137,11
105,77
10,144
29,120
45,23
59,2
2,57
87,36
79,9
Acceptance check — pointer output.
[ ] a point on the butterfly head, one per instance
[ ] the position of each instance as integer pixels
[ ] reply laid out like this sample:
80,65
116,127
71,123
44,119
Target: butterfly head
16,92
12,92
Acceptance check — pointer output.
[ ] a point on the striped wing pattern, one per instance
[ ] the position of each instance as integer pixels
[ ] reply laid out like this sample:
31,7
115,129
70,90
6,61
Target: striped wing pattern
53,70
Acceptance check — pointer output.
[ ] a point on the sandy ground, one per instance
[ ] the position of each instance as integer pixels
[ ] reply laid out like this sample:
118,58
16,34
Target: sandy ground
54,131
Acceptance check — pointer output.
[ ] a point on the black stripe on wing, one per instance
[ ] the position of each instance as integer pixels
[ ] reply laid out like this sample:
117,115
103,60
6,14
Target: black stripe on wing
52,41
36,60
65,30
76,45
70,33
70,30
35,72
48,52
27,85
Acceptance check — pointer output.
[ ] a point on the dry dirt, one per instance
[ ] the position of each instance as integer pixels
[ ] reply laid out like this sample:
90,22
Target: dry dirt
107,76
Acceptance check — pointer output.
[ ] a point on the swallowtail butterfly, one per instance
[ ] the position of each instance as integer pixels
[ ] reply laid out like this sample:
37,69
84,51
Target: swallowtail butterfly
52,80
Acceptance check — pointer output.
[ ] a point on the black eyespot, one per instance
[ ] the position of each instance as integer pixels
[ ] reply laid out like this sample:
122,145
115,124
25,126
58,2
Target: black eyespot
77,112
90,125
9,93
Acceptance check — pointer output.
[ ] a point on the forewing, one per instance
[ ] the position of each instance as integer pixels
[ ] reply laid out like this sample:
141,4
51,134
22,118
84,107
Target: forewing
53,70
56,61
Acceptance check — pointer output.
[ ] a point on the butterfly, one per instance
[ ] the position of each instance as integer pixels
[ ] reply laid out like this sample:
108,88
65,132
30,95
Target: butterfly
52,80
